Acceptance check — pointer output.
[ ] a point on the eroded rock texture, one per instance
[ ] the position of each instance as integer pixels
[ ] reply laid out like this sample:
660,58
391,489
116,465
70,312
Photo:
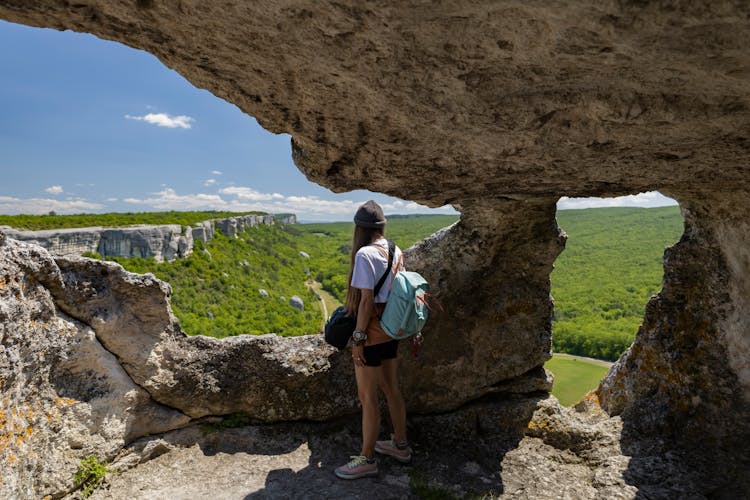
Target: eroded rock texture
687,376
489,274
64,396
498,108
488,98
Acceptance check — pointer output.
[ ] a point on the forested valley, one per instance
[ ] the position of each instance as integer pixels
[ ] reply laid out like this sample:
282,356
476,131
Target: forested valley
610,268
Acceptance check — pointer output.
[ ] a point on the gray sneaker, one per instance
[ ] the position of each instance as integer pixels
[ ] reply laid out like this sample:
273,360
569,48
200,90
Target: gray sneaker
401,453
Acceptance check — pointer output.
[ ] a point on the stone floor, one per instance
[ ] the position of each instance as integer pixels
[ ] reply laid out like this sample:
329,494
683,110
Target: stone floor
559,453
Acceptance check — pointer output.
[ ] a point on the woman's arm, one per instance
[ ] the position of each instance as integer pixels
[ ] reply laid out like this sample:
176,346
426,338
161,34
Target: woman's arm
364,313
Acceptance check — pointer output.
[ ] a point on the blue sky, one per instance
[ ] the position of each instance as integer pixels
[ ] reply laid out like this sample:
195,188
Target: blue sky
93,126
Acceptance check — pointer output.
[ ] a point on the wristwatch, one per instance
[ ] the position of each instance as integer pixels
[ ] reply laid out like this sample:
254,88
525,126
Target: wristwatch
359,337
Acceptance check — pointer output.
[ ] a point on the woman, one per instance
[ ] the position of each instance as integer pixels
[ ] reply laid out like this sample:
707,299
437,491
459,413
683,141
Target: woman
373,351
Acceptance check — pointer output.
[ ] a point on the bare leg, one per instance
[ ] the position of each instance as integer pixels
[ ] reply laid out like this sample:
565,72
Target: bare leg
367,389
396,406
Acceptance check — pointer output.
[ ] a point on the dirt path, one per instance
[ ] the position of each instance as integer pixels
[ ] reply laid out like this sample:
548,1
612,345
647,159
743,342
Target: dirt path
598,362
327,301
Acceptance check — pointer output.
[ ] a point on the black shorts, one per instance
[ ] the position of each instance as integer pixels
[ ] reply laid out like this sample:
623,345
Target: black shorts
375,354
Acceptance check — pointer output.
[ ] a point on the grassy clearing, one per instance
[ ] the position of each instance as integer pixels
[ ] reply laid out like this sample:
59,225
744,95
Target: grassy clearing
574,377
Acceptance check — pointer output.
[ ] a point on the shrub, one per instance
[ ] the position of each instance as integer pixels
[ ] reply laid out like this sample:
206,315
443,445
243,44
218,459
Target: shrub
89,475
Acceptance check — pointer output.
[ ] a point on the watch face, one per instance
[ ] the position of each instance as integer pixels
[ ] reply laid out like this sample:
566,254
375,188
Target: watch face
358,335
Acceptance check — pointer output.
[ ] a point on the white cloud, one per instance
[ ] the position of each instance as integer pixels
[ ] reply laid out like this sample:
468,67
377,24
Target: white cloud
246,193
168,199
54,189
209,182
215,172
242,198
648,199
313,207
164,120
12,205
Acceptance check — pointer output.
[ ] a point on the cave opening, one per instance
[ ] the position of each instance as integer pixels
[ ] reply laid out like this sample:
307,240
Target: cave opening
109,131
612,265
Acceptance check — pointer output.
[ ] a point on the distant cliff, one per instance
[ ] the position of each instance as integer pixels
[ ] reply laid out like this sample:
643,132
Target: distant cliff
162,242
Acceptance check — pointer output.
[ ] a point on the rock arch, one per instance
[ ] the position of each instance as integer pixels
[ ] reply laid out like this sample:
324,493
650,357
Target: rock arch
499,109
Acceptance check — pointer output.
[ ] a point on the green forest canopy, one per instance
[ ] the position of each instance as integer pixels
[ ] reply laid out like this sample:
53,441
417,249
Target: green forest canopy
113,219
611,266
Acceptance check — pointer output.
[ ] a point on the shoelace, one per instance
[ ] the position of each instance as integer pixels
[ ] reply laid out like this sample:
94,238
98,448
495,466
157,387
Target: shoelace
356,461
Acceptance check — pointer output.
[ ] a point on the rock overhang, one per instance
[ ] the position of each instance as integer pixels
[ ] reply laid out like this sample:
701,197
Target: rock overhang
483,99
499,109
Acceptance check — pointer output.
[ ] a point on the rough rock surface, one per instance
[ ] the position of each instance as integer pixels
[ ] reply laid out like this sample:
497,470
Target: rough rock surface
64,396
526,447
491,98
498,108
165,242
490,273
687,375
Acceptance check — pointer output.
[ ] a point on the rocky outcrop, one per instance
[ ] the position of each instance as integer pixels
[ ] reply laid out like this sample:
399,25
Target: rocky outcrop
297,303
174,378
491,322
233,225
165,242
498,108
687,375
64,395
526,447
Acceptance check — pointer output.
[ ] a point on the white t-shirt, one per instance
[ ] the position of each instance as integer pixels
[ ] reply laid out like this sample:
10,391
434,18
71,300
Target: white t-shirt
370,264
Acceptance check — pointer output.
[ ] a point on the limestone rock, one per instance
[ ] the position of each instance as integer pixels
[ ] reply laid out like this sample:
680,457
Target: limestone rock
497,108
689,364
262,292
164,242
285,219
492,99
203,231
517,447
76,241
64,396
305,255
495,321
297,303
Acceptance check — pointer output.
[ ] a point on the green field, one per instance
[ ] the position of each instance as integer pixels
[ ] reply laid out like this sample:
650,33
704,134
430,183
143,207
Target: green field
574,377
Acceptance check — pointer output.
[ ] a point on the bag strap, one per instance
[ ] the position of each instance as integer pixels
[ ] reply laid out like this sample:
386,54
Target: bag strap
391,251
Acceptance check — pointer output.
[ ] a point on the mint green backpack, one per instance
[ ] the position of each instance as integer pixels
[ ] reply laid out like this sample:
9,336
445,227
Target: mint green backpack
406,310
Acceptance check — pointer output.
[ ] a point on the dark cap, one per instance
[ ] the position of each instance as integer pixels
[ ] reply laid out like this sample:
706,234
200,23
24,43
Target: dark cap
370,215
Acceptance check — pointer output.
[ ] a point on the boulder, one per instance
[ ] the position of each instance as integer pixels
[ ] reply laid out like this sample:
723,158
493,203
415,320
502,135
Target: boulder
297,303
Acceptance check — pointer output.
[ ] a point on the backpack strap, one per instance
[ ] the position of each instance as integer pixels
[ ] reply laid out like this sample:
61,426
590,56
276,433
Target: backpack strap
391,251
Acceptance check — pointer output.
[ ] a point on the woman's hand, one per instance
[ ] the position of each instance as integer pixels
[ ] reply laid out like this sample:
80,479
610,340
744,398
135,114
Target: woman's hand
358,355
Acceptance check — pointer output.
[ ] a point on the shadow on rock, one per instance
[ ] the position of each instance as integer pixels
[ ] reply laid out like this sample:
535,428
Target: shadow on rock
457,454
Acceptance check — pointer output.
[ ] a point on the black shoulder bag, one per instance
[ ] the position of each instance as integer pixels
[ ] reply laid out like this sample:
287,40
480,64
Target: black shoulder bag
339,327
